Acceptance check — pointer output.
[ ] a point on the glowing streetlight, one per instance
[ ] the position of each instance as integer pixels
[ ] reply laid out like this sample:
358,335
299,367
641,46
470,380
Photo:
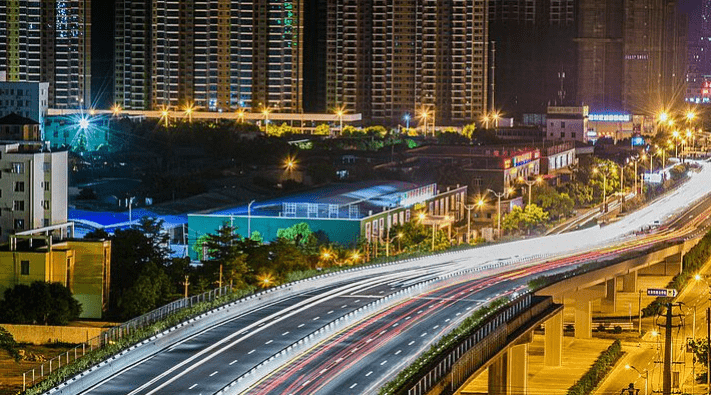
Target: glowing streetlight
265,280
407,117
92,112
165,115
663,116
265,112
240,116
423,115
495,116
690,115
189,112
340,112
84,123
116,110
530,184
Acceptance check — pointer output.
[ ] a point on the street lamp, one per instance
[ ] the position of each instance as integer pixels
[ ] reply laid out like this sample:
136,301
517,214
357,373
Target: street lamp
165,115
116,110
265,112
240,116
249,218
530,184
406,117
424,114
644,375
635,160
675,134
189,112
495,116
498,207
339,112
469,208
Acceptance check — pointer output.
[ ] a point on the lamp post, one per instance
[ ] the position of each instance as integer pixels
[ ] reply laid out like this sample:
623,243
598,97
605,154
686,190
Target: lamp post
424,114
406,117
165,114
249,218
644,375
266,112
530,184
498,207
675,135
470,207
339,112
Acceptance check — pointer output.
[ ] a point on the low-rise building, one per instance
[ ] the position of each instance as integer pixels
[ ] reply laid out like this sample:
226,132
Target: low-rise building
82,266
33,187
27,99
346,213
16,127
567,123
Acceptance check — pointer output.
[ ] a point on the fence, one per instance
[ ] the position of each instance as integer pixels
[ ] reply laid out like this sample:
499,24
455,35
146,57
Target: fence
34,376
463,359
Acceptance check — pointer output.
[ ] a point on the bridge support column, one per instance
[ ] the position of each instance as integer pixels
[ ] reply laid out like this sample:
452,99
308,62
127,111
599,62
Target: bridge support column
517,373
609,302
672,264
497,375
583,319
553,350
629,282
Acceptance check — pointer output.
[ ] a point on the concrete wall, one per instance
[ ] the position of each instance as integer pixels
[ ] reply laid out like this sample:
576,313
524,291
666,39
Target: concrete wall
39,334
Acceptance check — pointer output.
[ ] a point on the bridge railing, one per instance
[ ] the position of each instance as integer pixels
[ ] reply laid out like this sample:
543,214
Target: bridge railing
116,333
460,361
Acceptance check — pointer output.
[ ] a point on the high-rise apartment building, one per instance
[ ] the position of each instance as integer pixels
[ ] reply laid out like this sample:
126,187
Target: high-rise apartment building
216,55
388,58
534,40
48,41
632,55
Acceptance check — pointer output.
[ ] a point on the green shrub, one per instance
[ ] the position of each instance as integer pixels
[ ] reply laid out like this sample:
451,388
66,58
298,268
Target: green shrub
598,370
617,330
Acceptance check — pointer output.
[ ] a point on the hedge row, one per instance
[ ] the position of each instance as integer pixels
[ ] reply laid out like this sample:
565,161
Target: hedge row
114,347
693,261
456,336
598,370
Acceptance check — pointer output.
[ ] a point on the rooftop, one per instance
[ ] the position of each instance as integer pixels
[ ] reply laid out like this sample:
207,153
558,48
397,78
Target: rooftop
344,201
14,119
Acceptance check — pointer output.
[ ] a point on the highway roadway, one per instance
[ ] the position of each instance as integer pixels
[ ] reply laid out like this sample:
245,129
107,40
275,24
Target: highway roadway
365,355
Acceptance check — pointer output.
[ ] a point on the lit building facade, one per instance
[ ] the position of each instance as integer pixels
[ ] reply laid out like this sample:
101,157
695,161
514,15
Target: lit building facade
631,55
216,55
33,188
386,59
48,41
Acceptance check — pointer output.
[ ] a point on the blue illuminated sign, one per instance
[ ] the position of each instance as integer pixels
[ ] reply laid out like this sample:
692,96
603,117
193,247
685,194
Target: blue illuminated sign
610,117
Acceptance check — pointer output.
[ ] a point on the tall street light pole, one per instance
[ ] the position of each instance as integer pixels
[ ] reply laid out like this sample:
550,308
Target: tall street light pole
604,188
498,207
249,219
530,184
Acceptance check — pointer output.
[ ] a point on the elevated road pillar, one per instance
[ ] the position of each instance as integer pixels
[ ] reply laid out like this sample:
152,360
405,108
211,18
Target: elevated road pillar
553,350
517,370
629,282
497,375
609,302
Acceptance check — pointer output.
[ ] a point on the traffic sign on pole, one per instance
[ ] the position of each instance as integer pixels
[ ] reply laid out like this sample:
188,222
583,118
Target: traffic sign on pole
661,292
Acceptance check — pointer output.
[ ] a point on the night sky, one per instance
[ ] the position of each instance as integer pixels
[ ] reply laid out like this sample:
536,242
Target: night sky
102,32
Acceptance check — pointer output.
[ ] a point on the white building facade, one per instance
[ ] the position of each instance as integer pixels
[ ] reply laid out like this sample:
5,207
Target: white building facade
567,124
33,188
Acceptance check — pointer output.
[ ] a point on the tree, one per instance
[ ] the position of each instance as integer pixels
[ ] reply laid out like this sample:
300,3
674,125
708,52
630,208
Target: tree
39,303
524,219
554,203
224,250
297,234
323,130
151,289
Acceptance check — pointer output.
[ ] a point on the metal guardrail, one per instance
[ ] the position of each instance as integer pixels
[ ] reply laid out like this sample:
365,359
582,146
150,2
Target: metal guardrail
462,360
35,375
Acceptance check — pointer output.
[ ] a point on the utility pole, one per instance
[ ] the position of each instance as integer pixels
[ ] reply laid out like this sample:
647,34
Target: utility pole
708,355
666,380
186,283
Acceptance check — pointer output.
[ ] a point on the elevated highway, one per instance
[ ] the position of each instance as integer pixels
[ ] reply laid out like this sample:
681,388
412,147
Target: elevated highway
356,332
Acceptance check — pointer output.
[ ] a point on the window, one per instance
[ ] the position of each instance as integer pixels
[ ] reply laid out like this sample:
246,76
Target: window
45,204
25,268
19,224
562,125
18,205
19,186
18,167
46,185
48,165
